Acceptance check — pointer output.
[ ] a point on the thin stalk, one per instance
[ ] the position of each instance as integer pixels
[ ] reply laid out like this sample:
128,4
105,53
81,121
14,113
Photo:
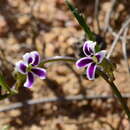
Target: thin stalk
57,58
116,92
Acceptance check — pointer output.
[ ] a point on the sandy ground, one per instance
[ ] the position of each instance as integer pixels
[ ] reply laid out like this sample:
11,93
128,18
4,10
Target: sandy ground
49,27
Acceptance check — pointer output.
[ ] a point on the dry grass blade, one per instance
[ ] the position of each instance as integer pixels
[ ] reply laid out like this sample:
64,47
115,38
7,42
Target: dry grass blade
124,25
124,48
96,14
108,15
115,34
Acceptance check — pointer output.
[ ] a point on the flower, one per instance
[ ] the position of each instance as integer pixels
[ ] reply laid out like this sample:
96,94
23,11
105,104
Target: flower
29,66
92,59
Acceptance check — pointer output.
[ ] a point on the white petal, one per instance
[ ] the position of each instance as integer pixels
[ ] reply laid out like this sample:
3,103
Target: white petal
84,62
28,58
89,48
100,55
36,58
21,67
92,46
40,72
29,80
90,72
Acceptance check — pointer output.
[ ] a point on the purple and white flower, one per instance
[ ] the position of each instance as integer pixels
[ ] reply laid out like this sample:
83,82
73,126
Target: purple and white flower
29,66
92,59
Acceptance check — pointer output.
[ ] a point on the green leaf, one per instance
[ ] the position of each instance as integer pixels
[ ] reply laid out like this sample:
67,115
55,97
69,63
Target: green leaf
3,84
6,127
108,67
20,79
81,21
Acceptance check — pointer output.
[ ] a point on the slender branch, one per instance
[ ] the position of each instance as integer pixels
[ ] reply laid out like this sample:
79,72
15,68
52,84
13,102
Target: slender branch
57,58
124,25
56,99
116,92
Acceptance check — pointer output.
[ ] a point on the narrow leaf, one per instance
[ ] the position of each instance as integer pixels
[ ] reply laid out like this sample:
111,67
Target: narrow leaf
3,84
81,20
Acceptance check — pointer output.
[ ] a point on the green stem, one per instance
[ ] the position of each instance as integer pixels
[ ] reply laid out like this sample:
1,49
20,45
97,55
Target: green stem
57,58
115,91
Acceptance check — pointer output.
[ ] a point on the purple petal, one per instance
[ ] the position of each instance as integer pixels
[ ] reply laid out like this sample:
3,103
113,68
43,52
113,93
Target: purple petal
100,55
28,58
86,49
90,72
21,67
89,48
29,81
36,58
84,62
41,73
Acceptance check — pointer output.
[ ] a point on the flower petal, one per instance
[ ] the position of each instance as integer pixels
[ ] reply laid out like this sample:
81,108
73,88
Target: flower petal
90,72
29,81
21,67
36,58
41,73
28,58
100,55
84,62
89,48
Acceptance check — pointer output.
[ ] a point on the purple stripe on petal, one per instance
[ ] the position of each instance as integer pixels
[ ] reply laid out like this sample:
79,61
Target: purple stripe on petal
100,55
90,72
86,48
84,62
41,73
29,80
21,67
36,57
89,48
28,58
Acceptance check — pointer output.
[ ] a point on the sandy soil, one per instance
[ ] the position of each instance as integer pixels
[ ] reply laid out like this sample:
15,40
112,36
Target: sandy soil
49,27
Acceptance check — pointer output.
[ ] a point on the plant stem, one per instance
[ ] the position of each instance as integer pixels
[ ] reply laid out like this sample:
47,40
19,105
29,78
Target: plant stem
115,91
57,58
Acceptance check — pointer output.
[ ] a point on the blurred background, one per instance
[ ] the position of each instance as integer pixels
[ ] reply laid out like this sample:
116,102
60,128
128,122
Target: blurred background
49,27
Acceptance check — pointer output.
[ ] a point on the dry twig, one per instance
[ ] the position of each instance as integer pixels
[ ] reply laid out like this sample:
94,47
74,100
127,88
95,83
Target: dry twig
124,25
124,48
115,34
56,99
